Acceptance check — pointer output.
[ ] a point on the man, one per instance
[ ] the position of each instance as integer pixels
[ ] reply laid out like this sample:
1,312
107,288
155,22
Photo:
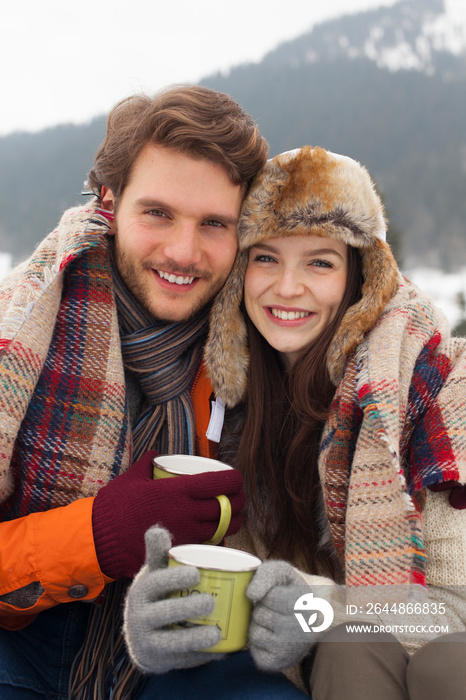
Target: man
101,338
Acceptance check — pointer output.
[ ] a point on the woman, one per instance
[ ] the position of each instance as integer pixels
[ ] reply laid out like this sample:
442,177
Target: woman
346,416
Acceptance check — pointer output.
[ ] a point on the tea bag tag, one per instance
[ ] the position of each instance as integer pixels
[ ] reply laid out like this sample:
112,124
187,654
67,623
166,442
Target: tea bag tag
214,431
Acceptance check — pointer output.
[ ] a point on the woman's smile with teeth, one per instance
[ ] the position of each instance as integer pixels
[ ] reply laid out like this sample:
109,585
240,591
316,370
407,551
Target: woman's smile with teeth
289,315
293,288
175,279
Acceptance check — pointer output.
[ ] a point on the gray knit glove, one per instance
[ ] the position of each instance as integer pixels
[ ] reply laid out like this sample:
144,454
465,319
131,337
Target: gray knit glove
152,648
276,641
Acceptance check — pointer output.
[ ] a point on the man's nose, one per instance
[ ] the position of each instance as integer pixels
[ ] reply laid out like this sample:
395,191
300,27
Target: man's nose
183,245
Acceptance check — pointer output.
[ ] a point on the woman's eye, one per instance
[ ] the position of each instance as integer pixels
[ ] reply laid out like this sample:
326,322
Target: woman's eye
263,258
321,263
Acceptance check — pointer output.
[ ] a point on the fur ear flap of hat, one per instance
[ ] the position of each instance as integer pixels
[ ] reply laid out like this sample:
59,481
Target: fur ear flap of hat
308,191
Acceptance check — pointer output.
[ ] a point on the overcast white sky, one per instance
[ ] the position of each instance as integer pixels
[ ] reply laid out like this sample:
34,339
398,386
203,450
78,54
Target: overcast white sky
63,61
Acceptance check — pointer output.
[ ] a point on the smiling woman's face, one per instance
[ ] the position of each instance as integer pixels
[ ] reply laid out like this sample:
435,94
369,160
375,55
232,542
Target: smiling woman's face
293,288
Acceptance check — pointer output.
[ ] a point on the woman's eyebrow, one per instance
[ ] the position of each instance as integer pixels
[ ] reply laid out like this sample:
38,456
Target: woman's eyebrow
309,253
324,251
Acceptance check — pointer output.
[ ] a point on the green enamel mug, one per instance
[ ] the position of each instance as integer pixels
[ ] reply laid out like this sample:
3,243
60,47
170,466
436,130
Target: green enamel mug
224,574
166,466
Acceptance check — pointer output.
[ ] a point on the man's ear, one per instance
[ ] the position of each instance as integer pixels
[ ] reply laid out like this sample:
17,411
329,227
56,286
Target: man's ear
107,198
107,202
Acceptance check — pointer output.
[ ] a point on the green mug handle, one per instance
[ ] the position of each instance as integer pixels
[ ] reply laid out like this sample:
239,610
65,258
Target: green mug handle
224,522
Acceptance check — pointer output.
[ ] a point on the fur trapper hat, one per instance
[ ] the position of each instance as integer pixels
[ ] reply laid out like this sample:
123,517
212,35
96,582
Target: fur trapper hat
299,193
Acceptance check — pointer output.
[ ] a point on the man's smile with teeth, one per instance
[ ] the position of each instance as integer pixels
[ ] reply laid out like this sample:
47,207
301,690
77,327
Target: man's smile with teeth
175,279
289,315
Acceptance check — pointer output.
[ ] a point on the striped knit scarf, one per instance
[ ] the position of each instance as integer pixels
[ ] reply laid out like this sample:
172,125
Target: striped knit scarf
165,357
393,430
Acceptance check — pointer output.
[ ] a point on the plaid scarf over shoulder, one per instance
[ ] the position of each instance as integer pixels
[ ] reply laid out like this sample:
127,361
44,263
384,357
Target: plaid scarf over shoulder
61,369
398,418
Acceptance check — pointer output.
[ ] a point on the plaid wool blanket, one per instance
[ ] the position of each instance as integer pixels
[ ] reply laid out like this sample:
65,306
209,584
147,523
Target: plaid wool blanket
397,425
61,370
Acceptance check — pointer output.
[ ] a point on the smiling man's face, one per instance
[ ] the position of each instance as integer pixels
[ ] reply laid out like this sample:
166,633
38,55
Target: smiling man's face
175,231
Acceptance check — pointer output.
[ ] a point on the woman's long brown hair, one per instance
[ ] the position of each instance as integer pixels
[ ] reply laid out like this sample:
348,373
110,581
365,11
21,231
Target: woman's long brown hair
279,445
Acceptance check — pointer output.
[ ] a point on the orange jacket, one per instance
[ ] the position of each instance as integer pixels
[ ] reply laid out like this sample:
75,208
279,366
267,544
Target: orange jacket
56,547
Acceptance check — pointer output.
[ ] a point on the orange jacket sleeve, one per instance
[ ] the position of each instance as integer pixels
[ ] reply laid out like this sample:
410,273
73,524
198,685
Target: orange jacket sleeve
54,548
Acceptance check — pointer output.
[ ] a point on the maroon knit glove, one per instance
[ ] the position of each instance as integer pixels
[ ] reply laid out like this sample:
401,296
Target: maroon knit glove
185,505
457,495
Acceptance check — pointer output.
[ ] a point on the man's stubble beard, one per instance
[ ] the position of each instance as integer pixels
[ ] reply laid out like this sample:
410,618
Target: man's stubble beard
141,293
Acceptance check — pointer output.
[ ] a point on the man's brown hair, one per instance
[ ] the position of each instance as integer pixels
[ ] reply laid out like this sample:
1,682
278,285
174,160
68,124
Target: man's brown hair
191,119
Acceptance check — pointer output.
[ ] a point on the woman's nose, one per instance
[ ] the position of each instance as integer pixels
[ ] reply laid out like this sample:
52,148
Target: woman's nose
289,284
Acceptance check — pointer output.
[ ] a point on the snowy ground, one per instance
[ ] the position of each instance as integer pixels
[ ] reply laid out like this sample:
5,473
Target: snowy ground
443,288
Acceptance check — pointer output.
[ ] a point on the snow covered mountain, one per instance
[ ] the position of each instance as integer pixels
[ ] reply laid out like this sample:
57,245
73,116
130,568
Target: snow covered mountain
428,36
385,86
